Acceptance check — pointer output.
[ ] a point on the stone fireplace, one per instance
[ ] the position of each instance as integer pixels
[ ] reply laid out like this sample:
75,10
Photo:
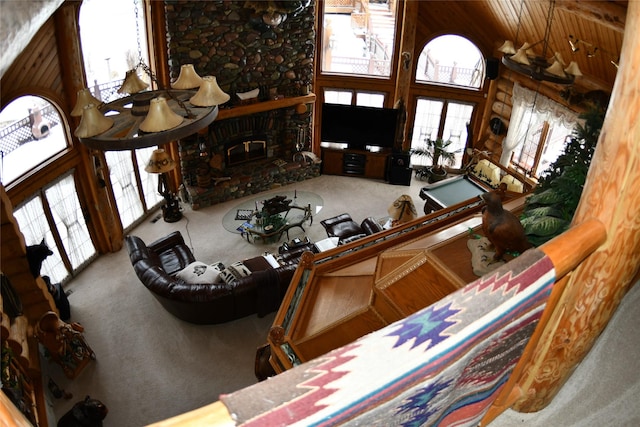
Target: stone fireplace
244,151
247,154
230,41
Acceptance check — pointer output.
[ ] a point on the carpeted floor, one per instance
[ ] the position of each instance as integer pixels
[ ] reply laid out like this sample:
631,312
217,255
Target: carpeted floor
151,366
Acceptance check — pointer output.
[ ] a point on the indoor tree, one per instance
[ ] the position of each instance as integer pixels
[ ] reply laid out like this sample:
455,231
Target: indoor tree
549,210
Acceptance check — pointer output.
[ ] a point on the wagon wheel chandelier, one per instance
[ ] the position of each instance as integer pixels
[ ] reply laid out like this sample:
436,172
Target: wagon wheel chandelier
525,61
147,118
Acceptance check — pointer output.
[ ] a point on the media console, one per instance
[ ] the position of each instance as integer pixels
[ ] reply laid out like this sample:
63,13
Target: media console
348,162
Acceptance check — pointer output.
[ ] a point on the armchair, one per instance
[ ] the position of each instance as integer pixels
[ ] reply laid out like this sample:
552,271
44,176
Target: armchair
347,230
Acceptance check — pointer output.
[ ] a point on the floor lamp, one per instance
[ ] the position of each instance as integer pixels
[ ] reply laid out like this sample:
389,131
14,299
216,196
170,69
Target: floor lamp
160,163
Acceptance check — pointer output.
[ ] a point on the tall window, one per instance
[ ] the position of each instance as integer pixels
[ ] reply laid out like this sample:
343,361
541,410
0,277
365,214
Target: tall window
54,215
537,132
109,54
451,60
358,37
30,133
437,118
123,176
107,59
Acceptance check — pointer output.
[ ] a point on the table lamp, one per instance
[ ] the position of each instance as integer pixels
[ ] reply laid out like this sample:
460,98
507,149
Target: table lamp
160,163
402,210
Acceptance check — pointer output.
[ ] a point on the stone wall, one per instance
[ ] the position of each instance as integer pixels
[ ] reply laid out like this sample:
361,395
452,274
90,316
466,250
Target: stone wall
227,40
205,173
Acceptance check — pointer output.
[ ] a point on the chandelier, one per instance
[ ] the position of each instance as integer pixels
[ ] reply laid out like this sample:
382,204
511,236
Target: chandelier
147,118
539,67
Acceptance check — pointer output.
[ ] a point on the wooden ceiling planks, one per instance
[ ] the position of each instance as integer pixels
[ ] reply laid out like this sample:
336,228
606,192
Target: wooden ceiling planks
490,22
41,68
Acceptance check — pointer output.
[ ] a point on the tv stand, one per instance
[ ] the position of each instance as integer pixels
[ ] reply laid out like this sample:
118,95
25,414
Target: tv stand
348,162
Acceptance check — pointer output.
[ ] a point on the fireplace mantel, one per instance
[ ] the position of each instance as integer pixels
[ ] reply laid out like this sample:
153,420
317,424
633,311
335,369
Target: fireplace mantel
259,107
277,122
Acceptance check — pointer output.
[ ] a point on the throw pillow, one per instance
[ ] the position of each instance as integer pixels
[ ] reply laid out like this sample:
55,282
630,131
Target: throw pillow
199,273
234,272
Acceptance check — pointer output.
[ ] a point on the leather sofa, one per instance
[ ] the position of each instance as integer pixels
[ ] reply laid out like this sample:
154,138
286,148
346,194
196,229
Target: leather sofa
347,230
156,264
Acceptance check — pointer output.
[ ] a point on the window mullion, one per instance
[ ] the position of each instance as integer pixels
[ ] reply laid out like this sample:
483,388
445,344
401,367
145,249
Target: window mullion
443,118
136,174
540,148
53,228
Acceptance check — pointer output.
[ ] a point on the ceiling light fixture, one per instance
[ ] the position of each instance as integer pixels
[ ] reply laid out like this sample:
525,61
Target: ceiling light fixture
275,13
591,50
525,60
148,118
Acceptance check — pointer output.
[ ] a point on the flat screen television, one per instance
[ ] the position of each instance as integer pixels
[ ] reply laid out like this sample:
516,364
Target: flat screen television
361,128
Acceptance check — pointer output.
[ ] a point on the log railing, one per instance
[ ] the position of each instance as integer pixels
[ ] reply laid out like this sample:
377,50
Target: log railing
566,252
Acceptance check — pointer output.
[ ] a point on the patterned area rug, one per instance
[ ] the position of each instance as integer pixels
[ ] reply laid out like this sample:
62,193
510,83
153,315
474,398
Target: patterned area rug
243,211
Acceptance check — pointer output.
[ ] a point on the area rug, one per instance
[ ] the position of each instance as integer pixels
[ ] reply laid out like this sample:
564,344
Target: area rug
242,212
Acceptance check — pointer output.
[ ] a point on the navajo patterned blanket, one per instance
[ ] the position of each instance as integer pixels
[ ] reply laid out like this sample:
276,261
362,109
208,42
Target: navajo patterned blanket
443,365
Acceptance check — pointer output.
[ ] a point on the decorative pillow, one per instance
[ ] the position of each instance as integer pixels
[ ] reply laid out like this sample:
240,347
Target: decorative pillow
513,184
199,273
487,172
234,272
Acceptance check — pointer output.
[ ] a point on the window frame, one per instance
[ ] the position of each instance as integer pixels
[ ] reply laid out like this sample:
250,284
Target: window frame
442,121
393,62
483,61
36,168
541,144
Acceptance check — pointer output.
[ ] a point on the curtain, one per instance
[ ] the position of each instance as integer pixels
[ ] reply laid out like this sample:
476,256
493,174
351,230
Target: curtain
530,109
63,199
34,227
124,186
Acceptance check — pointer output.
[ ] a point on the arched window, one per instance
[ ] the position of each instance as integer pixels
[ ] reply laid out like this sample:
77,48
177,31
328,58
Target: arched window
451,60
31,132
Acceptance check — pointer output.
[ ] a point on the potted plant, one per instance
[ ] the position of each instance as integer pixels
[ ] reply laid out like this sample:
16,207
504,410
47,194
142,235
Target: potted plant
437,151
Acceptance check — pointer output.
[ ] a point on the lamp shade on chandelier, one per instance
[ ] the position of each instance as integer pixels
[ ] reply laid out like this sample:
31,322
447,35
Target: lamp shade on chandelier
539,67
93,122
132,83
188,78
148,118
160,117
84,98
209,93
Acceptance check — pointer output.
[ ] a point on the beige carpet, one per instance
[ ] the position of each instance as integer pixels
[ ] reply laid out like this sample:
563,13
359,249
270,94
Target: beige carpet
151,366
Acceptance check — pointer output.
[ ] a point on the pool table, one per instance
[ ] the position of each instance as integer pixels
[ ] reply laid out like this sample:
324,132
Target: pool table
450,192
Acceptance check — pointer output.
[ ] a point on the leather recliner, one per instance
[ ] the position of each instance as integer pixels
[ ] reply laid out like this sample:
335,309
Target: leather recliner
155,265
347,230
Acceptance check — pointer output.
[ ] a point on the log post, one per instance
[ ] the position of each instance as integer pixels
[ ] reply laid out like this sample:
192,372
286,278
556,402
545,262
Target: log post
610,195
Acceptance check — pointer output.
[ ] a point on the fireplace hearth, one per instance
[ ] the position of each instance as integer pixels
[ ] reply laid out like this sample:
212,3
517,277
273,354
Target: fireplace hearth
240,152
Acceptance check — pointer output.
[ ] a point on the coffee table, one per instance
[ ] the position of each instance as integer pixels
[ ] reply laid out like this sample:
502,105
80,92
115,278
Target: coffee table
287,216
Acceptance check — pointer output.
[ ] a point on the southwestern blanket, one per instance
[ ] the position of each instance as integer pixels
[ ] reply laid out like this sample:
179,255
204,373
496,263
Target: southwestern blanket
443,365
